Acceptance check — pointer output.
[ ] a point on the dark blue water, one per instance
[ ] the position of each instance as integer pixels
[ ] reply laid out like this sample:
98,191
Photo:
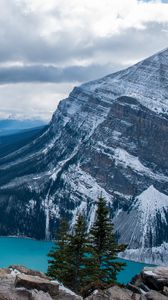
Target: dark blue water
33,254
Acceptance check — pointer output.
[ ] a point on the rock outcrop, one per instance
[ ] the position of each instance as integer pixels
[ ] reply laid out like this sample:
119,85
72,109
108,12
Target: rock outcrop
26,271
114,293
156,278
109,135
151,284
30,282
15,285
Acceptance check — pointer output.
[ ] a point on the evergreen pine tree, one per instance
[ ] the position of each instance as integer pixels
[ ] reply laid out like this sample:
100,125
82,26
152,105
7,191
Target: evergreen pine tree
72,258
59,265
105,245
83,260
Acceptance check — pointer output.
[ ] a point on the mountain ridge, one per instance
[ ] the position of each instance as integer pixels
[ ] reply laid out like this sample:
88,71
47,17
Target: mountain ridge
109,136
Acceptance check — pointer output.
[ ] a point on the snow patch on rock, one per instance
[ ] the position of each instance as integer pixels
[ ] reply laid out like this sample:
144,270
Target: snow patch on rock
151,201
122,157
155,255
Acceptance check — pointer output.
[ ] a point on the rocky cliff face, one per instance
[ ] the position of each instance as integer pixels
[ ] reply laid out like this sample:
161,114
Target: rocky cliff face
110,135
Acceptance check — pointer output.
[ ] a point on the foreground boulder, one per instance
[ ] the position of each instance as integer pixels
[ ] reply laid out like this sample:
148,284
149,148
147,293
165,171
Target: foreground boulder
154,295
151,284
118,293
4,272
156,278
35,282
66,294
20,283
113,293
24,270
16,283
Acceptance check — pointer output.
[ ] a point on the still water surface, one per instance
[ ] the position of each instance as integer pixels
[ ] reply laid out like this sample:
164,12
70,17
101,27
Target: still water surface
33,254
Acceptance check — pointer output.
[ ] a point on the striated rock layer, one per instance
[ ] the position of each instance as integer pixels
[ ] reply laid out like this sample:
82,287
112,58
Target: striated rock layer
109,135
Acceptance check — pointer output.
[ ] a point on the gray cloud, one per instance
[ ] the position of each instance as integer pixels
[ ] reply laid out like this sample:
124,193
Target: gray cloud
129,45
21,40
38,73
69,54
32,100
134,44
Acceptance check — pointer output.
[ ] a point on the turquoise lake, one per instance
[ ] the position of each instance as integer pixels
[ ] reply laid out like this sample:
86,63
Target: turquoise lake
33,254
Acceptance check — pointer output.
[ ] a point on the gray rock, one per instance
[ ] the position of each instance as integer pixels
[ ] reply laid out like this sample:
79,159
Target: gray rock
67,294
113,293
8,291
138,297
165,290
25,270
4,272
15,285
134,288
155,277
39,295
144,287
98,295
117,293
154,295
34,282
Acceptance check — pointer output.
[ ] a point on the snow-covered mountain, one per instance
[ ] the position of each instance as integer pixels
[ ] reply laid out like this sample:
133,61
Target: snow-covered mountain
109,136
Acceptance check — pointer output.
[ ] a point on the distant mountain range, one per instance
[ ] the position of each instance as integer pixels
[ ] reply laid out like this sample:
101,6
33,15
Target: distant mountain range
111,136
11,126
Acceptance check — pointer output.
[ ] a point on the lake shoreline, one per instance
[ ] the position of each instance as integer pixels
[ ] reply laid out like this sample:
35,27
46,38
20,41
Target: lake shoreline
33,253
53,241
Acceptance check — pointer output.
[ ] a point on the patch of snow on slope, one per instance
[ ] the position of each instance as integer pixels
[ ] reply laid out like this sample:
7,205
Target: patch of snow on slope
92,215
152,200
155,255
142,81
31,205
49,147
47,214
116,135
81,209
82,183
51,210
127,160
149,204
127,197
122,157
85,184
60,164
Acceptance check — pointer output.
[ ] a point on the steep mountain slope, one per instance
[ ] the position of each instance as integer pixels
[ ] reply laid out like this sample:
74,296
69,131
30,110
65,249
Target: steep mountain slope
109,135
11,142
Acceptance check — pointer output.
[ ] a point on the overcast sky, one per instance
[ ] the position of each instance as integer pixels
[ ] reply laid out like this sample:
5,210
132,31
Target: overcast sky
49,46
